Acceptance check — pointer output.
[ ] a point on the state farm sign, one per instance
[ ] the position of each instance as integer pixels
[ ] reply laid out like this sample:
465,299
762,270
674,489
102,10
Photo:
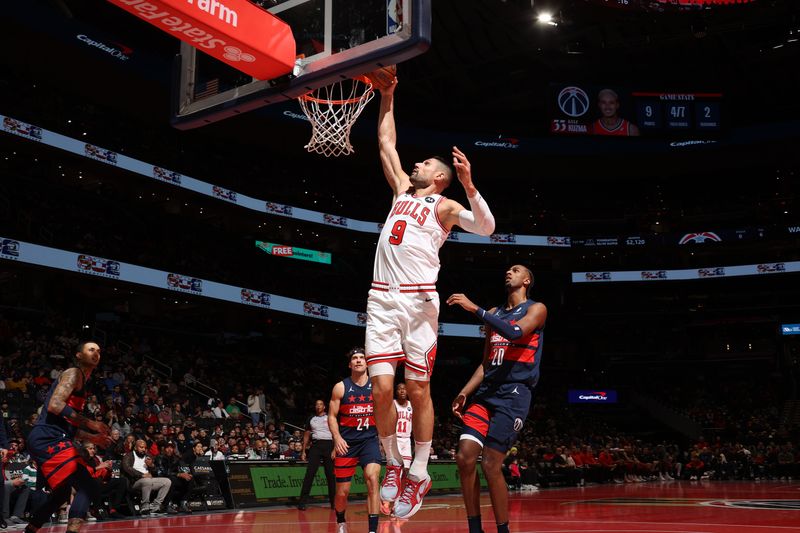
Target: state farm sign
234,31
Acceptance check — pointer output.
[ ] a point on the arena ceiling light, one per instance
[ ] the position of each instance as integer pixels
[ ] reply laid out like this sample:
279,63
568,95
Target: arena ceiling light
546,17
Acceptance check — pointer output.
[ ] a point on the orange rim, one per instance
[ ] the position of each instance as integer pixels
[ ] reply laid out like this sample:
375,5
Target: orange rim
363,79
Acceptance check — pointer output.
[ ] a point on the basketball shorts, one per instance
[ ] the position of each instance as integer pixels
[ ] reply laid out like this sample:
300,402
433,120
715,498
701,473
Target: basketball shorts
402,326
360,453
55,455
497,415
404,445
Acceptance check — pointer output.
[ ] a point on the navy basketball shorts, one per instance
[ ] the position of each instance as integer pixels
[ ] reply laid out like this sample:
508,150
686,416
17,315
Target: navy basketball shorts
497,415
55,455
360,453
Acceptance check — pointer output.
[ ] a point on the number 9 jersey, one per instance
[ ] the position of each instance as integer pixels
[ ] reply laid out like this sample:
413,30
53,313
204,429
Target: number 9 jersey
408,248
403,305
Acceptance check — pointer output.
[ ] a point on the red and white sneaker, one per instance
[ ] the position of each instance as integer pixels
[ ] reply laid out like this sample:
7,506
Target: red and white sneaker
392,481
411,497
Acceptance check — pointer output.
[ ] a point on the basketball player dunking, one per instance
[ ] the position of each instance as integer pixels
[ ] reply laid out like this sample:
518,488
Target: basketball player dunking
403,305
51,446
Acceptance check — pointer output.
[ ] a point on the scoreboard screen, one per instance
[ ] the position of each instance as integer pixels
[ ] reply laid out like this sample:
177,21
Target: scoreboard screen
614,111
659,111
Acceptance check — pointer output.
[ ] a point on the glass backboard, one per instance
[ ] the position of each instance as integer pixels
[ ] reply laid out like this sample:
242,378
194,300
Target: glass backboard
334,39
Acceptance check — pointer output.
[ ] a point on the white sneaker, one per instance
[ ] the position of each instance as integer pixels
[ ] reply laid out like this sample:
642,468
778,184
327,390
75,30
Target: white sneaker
411,498
341,527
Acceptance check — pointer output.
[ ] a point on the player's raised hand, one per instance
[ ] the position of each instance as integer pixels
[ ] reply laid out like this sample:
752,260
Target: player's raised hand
463,301
458,405
463,167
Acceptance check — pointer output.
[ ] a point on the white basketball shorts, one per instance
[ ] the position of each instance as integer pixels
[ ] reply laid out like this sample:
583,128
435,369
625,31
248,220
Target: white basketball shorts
402,325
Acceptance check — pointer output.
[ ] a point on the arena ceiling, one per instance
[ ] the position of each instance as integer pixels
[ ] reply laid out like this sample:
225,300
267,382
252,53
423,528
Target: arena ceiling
491,62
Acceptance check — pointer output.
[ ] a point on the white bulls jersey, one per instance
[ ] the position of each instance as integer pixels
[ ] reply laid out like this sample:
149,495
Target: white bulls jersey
404,413
408,248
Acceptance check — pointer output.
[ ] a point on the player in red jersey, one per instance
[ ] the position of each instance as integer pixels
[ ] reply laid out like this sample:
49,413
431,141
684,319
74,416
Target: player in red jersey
51,442
355,439
610,123
503,385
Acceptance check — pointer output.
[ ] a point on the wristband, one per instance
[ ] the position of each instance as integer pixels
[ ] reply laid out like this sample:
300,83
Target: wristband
67,411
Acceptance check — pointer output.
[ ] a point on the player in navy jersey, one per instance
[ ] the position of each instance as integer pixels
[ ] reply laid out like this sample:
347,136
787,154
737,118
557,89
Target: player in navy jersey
502,386
51,442
351,420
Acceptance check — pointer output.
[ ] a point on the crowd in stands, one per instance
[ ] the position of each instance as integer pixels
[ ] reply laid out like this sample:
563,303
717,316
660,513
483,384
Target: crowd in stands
160,424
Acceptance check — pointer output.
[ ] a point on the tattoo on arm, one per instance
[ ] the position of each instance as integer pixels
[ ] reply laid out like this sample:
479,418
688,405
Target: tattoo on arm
67,383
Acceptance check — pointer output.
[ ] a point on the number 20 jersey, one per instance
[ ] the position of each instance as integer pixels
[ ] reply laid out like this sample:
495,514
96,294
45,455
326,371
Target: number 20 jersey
514,361
408,248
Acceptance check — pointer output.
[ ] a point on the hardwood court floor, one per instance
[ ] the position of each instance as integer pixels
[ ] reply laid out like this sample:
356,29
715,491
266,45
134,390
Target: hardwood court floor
669,507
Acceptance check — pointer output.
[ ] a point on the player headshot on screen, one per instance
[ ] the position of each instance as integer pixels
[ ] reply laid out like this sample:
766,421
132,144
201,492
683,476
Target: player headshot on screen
610,123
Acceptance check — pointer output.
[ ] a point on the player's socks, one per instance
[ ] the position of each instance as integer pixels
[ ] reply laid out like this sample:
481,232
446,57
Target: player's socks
373,523
502,528
339,517
392,451
474,524
419,468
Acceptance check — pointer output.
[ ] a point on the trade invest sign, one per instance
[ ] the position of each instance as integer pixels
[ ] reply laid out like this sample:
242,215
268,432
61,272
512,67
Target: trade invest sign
294,252
236,32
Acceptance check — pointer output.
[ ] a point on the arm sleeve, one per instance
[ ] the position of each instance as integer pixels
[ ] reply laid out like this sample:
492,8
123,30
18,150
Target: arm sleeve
480,220
499,325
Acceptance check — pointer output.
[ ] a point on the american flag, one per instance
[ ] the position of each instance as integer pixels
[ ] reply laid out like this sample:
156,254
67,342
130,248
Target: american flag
204,90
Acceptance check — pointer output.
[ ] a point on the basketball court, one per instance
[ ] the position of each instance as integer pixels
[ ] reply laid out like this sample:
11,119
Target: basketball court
675,507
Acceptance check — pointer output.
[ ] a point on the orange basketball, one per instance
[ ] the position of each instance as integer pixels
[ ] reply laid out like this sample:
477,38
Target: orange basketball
383,77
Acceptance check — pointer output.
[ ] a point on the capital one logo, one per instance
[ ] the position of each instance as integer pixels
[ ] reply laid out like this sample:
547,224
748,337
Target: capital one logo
573,101
233,53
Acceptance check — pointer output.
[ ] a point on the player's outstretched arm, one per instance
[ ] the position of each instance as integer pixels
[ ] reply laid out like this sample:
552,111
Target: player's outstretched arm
479,219
387,144
534,318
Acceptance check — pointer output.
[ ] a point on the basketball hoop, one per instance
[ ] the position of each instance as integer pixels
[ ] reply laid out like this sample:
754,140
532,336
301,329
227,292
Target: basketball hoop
332,111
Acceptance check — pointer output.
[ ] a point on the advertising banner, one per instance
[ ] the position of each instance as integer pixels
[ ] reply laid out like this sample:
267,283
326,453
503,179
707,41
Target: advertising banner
759,269
235,32
14,250
171,177
592,396
254,484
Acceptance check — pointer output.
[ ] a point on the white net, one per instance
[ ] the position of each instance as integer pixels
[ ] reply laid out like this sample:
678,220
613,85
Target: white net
332,111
